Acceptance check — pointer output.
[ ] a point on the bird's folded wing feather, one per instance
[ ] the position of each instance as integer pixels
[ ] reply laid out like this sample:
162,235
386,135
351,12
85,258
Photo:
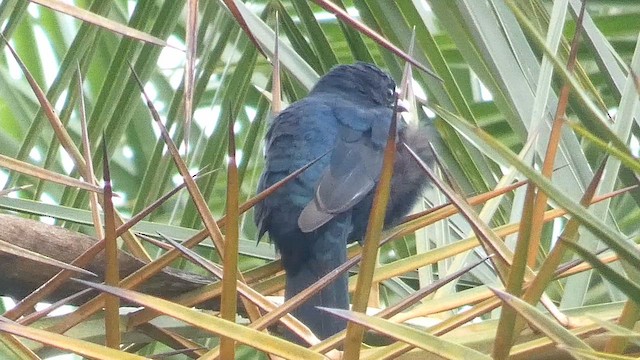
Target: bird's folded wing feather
354,169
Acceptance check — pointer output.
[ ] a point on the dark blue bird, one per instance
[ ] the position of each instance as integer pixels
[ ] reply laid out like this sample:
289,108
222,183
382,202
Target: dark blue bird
313,217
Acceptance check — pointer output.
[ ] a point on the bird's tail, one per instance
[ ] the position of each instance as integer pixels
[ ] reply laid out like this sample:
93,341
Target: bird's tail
329,252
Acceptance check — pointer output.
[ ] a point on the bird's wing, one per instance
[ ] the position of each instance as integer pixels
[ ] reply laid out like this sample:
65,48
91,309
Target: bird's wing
303,132
354,168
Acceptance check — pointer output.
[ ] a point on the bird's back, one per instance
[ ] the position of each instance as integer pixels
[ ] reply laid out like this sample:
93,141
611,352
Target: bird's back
303,132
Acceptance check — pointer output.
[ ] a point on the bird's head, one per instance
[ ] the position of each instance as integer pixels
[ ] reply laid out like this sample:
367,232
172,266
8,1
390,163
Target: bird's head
360,82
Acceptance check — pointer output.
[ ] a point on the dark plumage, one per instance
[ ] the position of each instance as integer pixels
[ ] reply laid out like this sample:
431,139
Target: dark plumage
313,217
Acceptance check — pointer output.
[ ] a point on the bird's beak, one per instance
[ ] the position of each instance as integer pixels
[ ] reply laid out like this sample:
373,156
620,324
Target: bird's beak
403,106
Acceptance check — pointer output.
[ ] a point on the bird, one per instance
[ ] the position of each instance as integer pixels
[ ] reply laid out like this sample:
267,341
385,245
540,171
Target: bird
311,219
